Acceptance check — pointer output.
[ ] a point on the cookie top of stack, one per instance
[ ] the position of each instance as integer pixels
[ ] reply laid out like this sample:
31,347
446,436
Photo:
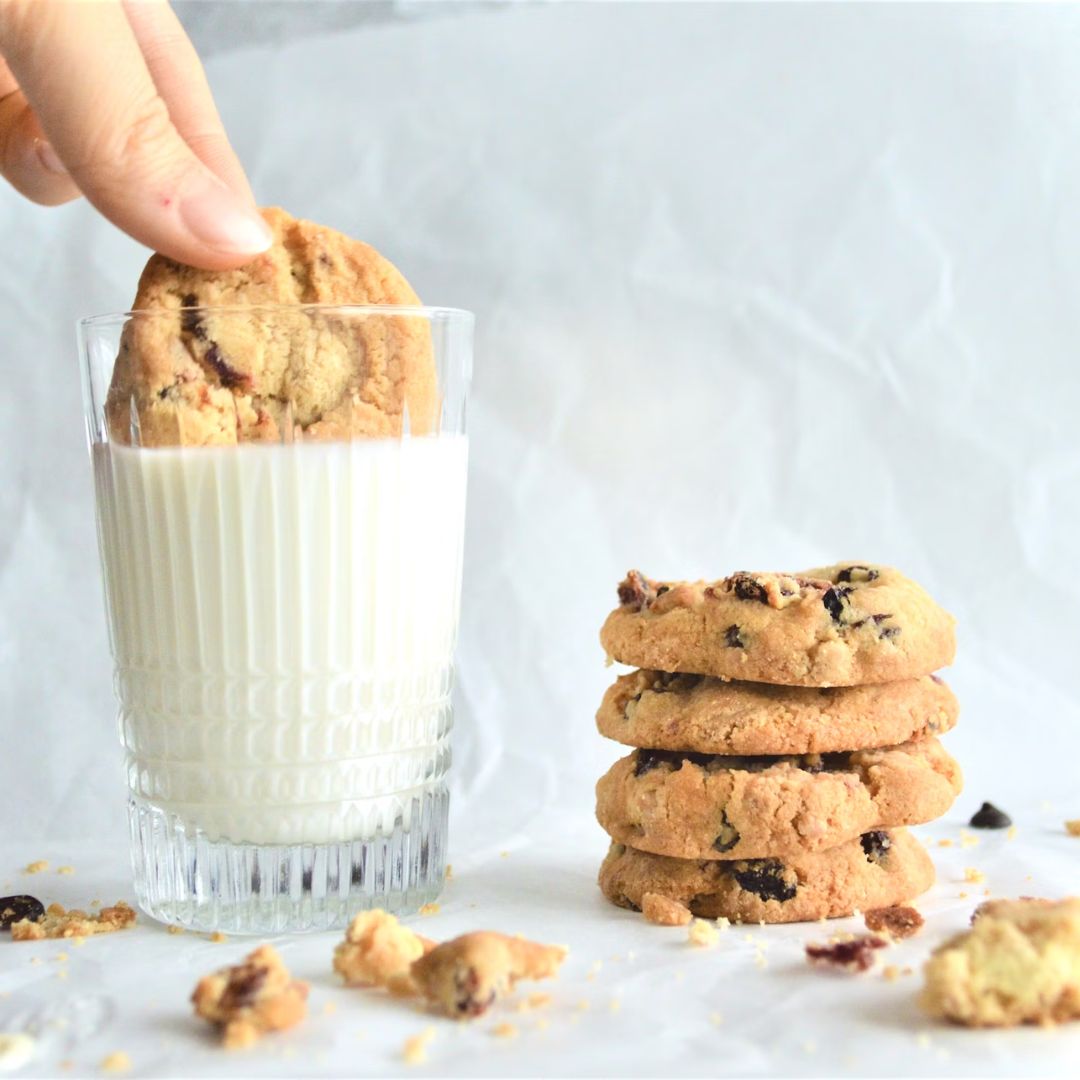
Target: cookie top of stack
203,371
843,625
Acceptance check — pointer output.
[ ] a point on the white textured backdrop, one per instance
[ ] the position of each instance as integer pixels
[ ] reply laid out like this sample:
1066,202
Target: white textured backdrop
756,286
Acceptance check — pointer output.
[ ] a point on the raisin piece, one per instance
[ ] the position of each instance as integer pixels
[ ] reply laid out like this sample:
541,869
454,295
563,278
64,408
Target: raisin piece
898,922
857,574
853,956
876,844
988,816
765,879
733,638
244,985
467,1002
747,588
729,835
13,909
190,322
635,589
833,598
229,377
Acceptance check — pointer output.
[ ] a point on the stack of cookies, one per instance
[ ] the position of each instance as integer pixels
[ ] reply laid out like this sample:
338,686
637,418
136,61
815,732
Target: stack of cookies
786,730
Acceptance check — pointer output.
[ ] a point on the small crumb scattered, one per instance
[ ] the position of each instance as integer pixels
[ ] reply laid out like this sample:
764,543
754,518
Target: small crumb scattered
922,1039
614,1005
760,960
1073,827
430,909
583,1005
974,876
330,1008
61,958
897,921
36,867
853,956
723,924
504,854
968,839
57,922
35,960
116,1062
1011,833
890,973
542,1023
78,941
944,843
65,869
62,973
534,1001
505,1030
217,937
449,872
961,896
174,930
703,934
716,1019
414,1052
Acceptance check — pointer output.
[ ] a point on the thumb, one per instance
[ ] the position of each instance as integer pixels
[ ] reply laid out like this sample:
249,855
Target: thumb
83,74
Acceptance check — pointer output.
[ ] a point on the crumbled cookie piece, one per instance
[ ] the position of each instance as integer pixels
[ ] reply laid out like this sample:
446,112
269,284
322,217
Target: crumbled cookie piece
379,951
116,1062
505,1030
1019,963
974,875
1073,827
703,934
856,955
253,997
430,909
988,816
414,1052
664,911
14,909
465,976
58,923
37,867
897,921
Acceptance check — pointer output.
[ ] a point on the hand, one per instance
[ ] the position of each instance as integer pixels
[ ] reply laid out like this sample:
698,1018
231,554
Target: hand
108,99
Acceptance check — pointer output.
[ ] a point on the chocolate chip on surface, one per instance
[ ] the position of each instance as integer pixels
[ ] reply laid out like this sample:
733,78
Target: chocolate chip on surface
988,816
13,909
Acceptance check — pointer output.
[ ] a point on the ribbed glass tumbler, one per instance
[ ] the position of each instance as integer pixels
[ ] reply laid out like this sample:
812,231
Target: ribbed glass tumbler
280,501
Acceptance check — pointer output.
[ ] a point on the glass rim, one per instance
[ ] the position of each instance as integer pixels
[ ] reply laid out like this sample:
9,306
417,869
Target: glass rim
424,311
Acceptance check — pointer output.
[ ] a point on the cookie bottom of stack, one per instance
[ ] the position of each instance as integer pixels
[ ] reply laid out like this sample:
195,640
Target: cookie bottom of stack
879,869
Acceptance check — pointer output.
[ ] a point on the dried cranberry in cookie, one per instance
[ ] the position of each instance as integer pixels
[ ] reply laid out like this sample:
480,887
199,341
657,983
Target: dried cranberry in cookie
845,625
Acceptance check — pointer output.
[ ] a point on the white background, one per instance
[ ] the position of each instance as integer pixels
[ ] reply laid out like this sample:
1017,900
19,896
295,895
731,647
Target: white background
756,286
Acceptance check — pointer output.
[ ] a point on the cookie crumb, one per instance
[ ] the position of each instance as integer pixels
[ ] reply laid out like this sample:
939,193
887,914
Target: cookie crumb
968,839
62,973
890,973
414,1052
449,875
945,843
78,941
1011,833
536,1000
922,1039
663,911
850,956
583,1005
1073,827
37,867
760,960
60,923
504,854
614,1005
703,934
505,1030
542,1023
174,930
65,870
116,1062
430,909
723,924
898,921
217,937
974,876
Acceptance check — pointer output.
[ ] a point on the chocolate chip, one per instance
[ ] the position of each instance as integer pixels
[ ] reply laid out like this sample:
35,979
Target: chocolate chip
729,835
733,638
229,377
635,589
765,879
647,760
13,909
855,955
876,845
858,574
242,989
988,816
746,587
833,598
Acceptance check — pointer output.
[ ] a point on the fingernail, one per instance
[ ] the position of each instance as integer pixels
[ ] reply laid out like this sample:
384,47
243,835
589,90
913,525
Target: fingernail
217,218
48,157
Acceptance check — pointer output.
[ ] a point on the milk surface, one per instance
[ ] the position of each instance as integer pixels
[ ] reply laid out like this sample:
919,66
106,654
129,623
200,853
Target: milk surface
283,621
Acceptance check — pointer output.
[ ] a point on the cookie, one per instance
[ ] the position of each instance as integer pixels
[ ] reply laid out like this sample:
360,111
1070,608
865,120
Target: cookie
701,806
379,951
250,998
185,377
842,625
876,870
1018,964
664,711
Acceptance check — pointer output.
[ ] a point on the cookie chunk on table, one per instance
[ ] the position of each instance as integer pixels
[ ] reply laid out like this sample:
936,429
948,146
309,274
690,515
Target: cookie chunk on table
57,922
379,951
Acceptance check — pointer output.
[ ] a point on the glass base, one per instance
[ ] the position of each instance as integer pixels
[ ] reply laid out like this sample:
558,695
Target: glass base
187,880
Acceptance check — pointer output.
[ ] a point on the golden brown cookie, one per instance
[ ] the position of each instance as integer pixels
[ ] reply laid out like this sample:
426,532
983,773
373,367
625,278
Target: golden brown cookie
1018,964
662,711
841,625
253,997
876,870
379,951
465,976
698,806
218,377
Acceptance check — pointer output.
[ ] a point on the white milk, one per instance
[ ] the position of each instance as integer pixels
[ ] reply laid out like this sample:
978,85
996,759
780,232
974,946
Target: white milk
283,621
